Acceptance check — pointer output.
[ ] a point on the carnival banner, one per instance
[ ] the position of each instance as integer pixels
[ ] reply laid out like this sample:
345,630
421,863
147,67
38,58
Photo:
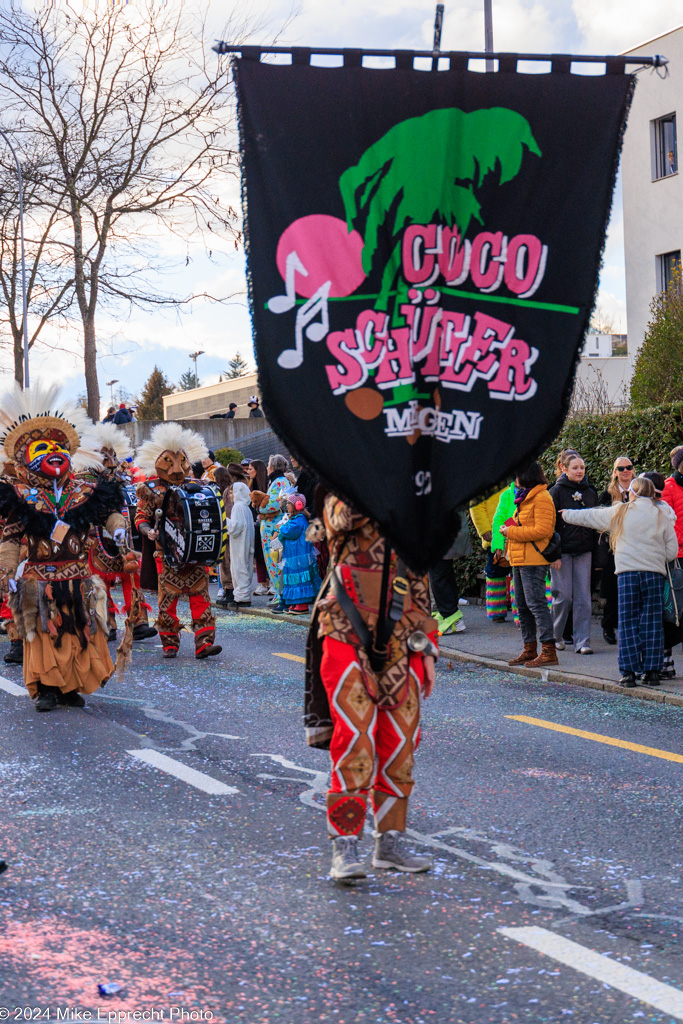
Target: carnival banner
423,257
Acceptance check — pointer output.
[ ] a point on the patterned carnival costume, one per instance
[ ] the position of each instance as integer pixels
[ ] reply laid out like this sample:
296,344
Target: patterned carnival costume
167,460
106,560
367,715
57,606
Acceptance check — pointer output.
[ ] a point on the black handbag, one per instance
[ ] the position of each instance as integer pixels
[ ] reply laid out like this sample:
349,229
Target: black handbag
553,550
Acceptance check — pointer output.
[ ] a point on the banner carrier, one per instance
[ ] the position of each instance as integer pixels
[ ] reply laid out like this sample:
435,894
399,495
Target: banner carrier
458,59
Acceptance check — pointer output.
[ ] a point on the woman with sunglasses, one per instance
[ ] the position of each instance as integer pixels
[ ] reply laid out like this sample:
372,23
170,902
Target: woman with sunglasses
617,491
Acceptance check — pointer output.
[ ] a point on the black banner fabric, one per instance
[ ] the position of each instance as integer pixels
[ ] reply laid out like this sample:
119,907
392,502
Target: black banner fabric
423,255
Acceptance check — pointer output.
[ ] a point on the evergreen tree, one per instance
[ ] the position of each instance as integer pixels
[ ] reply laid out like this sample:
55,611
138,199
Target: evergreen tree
237,367
188,381
151,406
657,372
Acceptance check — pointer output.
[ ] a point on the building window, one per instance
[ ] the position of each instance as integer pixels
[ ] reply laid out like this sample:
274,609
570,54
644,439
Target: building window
668,264
664,147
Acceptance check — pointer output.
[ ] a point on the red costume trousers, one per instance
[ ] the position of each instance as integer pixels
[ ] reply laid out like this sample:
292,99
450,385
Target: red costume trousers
363,733
193,582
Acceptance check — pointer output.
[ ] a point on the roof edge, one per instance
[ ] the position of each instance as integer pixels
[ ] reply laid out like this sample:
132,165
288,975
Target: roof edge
653,39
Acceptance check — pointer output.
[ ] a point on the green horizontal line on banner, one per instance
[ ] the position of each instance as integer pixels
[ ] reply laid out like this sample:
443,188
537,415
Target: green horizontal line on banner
553,307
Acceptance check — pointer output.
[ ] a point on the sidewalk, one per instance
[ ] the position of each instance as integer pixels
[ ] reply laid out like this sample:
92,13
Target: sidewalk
493,644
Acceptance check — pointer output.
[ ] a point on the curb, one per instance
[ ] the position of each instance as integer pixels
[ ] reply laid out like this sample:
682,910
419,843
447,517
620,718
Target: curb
550,675
265,613
657,696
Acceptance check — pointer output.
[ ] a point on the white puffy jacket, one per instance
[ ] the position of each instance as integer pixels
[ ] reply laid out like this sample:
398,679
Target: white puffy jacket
648,540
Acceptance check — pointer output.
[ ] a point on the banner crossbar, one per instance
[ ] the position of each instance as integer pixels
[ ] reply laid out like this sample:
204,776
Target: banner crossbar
458,59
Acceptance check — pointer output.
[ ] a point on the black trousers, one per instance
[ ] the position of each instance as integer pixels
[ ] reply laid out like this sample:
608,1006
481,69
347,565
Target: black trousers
609,591
445,588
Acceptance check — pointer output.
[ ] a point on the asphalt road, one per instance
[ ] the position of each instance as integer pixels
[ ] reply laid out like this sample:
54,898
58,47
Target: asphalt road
218,903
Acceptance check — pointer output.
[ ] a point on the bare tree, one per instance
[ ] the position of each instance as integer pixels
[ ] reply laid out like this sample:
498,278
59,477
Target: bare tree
137,114
601,322
48,282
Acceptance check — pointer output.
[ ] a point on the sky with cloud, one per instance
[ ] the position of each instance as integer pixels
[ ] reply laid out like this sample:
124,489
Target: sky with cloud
128,350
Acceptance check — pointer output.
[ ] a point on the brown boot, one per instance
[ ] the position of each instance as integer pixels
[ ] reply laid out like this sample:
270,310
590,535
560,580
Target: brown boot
548,656
528,654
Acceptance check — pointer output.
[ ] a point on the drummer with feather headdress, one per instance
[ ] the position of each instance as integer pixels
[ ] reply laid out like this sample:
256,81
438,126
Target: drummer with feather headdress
166,458
59,608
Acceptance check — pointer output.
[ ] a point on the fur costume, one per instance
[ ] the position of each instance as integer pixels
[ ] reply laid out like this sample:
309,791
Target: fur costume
106,560
56,605
166,459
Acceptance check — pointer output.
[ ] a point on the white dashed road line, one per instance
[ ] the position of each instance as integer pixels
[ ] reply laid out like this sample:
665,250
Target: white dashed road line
633,983
9,687
181,771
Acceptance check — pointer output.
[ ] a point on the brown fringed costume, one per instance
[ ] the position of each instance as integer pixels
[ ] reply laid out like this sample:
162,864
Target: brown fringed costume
58,608
166,458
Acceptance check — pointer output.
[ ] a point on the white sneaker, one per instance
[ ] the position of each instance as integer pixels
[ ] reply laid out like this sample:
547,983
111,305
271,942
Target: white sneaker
261,590
560,645
220,594
584,650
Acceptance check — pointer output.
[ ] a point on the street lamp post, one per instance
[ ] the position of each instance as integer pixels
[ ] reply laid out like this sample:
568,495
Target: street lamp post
23,254
110,385
195,356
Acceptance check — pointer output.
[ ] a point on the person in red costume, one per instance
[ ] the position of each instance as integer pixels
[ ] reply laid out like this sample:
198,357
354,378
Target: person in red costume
372,650
166,458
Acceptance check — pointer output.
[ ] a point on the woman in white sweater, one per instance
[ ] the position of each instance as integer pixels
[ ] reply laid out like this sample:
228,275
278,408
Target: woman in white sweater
643,540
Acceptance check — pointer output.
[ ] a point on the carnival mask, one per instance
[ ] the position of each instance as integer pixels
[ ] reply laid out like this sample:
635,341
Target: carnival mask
48,458
173,467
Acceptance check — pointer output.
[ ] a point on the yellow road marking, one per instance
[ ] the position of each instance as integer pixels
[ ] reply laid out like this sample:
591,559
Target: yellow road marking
292,657
666,755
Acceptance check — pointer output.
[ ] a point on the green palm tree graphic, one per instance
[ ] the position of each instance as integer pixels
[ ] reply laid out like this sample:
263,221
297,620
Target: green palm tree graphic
427,168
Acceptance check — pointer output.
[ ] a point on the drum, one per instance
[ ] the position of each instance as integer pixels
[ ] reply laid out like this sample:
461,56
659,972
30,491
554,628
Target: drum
130,508
192,528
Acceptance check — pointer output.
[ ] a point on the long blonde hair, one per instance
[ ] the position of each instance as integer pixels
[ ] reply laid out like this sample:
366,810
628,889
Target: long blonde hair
613,488
643,488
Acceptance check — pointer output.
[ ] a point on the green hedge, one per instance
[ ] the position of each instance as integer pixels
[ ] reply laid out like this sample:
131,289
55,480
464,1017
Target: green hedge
645,435
226,455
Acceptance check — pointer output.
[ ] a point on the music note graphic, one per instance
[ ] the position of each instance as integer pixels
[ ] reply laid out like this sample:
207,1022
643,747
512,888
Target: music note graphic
316,306
283,303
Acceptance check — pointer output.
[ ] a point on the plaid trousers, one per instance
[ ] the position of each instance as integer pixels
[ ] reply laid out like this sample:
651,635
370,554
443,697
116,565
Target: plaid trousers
641,631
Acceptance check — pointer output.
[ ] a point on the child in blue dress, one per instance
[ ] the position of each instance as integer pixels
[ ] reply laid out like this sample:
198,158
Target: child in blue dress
299,558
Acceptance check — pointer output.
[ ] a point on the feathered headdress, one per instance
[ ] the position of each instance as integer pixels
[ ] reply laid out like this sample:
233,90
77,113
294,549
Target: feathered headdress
170,437
108,435
38,412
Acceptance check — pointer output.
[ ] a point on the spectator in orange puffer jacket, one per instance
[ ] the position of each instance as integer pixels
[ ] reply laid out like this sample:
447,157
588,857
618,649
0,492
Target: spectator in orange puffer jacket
527,534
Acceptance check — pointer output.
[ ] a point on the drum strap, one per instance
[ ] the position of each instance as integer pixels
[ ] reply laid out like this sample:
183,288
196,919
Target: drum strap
376,648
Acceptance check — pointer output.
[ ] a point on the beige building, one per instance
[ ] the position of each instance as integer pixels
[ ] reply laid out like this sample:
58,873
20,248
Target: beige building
653,186
200,403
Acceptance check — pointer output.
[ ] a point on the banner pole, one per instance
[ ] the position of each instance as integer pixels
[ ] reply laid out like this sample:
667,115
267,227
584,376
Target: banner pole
488,32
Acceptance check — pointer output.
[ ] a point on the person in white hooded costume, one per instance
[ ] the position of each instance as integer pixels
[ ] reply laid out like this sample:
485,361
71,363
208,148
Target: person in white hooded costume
240,528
